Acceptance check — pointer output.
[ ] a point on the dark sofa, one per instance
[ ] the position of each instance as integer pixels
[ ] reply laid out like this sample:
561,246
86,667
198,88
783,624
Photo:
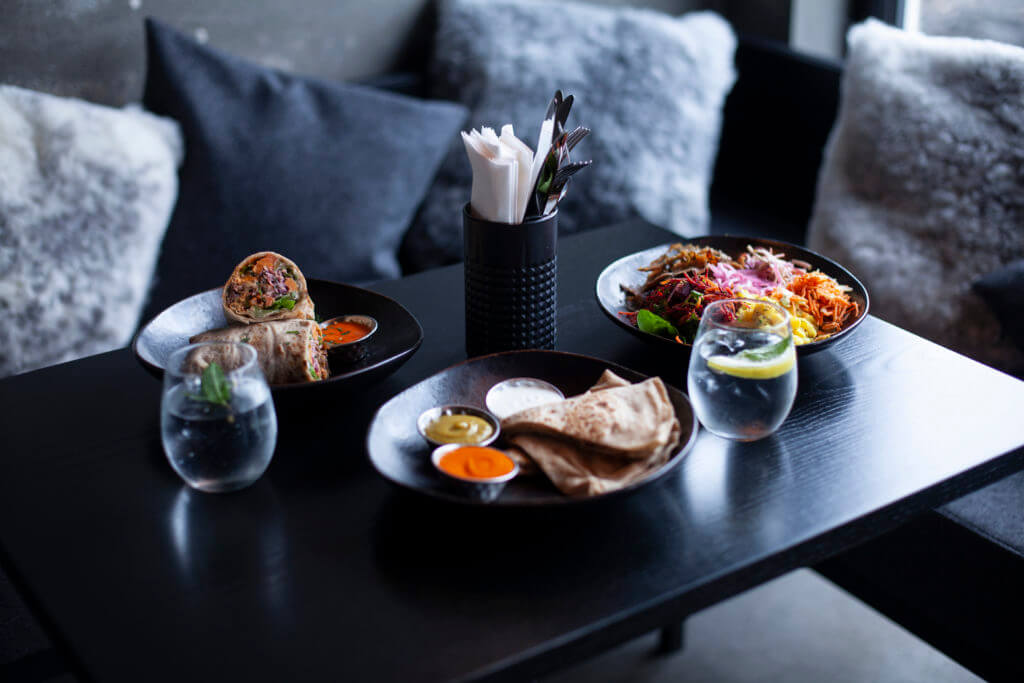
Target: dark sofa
951,576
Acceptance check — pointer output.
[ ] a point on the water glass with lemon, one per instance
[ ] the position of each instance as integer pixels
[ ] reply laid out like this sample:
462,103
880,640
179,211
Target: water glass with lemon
742,376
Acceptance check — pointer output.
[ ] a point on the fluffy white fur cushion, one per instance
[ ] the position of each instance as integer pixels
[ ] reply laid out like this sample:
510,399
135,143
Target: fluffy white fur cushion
85,195
922,189
649,85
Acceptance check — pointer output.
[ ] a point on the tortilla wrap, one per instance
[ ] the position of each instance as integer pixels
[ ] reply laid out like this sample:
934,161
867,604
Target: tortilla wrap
264,287
289,351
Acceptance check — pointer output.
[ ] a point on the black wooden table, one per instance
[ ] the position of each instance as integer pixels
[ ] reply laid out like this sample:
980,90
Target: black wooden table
322,571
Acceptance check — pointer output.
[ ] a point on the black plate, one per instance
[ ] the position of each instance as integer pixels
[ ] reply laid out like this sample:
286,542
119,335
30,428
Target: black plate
397,337
625,272
402,456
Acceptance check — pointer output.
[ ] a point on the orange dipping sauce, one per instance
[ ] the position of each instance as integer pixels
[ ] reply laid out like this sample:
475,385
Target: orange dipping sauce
344,332
476,462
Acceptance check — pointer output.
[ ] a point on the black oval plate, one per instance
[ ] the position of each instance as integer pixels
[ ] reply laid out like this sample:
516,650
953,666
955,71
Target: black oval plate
625,271
398,335
402,456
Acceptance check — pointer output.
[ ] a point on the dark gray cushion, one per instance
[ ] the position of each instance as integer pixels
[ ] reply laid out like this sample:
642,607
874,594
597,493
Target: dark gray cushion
328,174
996,512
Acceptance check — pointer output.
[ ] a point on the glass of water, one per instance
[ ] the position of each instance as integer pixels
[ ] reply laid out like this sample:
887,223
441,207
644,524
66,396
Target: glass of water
217,419
742,376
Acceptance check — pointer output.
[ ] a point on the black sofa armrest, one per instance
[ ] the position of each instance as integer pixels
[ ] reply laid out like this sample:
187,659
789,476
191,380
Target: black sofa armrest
949,585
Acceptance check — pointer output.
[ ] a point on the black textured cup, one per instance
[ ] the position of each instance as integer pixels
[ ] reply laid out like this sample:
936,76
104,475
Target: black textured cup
511,283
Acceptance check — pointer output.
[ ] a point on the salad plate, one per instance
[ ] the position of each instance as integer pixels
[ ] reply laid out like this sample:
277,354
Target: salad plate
625,273
397,337
402,456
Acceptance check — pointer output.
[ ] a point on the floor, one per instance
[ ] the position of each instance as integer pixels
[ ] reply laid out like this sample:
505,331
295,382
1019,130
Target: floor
797,628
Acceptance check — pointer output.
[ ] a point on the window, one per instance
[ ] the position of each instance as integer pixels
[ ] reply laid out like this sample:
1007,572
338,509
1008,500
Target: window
1001,20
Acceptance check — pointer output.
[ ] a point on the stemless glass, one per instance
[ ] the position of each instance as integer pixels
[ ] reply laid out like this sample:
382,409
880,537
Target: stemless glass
217,419
742,375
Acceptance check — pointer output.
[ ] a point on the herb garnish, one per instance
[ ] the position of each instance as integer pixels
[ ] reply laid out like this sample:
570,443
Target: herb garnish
763,353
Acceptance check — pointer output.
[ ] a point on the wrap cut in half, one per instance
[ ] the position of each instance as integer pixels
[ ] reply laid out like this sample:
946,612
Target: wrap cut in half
289,351
264,287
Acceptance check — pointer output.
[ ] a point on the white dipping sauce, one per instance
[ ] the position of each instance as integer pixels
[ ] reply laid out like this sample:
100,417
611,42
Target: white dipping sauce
513,395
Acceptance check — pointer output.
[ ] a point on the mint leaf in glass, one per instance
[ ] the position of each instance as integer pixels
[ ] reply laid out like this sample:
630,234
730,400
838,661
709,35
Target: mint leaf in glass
214,385
763,353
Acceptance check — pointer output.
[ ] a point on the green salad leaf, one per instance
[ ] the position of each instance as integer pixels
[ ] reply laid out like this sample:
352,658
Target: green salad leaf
688,330
286,301
652,323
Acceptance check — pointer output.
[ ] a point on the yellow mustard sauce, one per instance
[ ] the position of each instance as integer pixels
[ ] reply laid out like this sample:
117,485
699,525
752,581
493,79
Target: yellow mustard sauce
459,429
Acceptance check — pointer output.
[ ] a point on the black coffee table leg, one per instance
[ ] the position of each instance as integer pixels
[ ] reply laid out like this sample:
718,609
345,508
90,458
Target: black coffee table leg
671,638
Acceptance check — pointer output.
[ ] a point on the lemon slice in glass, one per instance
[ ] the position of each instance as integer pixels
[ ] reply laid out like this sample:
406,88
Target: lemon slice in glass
750,366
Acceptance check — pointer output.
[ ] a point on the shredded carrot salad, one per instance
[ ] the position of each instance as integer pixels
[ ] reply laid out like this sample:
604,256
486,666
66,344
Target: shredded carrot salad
684,279
824,299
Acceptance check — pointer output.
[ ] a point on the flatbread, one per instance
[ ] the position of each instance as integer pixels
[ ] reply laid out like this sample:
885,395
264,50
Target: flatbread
614,417
576,472
581,463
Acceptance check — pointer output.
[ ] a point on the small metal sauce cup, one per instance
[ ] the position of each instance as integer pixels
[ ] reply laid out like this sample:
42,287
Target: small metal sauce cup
428,416
514,382
484,490
350,352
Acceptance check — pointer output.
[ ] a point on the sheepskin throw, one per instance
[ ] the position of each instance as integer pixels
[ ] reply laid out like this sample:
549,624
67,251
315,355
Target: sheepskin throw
85,195
649,85
921,192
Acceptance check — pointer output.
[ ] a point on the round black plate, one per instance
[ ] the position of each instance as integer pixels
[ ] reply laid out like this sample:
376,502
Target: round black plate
397,337
625,272
402,456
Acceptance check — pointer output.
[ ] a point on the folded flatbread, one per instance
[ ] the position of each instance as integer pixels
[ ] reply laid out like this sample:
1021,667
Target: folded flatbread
264,287
588,457
613,417
289,351
576,472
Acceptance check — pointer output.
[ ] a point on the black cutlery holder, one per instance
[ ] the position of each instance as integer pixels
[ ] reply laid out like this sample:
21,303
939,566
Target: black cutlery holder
511,277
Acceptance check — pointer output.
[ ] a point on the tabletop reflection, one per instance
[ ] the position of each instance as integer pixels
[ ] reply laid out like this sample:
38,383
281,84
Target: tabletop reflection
213,550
